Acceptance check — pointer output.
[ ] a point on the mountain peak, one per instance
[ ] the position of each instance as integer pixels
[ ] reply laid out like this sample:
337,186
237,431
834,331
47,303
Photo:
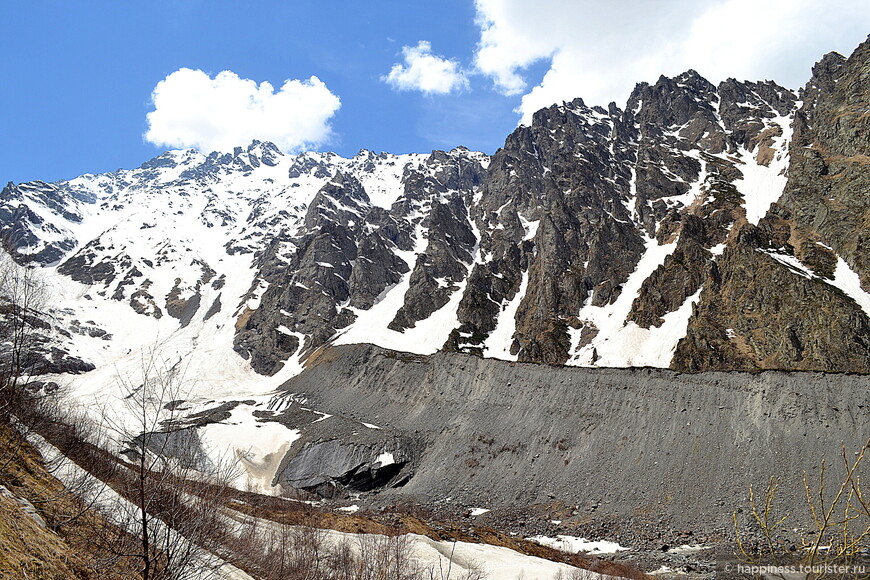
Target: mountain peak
588,239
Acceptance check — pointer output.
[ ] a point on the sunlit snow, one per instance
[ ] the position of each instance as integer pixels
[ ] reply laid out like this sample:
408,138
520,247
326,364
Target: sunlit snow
622,343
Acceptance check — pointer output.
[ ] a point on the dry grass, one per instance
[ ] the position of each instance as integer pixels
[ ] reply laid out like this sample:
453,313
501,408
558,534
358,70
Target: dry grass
244,317
860,160
320,355
62,550
402,521
30,551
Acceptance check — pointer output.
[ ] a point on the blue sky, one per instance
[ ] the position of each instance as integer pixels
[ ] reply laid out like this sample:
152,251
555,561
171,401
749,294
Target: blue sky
79,76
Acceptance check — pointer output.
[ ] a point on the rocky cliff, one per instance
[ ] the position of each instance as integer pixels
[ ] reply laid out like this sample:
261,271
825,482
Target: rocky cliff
701,227
756,314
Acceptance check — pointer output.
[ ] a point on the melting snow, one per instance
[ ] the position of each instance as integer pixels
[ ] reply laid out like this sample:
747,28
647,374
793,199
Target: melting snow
791,262
622,344
496,562
575,545
257,446
761,186
498,343
718,249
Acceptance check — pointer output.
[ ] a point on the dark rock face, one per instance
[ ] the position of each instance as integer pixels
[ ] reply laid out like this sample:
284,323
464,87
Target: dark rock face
348,252
560,222
829,176
84,267
28,237
443,194
314,281
701,227
32,342
598,184
756,313
681,274
328,468
185,308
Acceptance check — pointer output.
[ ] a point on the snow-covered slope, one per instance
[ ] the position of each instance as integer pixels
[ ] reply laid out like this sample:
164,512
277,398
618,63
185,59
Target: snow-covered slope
153,271
254,259
164,257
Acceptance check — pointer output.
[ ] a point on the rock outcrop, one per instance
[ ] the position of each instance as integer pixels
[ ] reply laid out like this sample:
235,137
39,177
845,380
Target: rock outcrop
777,298
701,227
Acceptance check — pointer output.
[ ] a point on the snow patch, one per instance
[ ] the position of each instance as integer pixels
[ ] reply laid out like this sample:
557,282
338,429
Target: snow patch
622,343
257,446
498,343
761,186
791,262
845,278
530,227
687,549
575,545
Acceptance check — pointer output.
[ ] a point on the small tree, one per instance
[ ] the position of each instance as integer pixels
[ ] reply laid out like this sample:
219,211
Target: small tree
171,494
22,296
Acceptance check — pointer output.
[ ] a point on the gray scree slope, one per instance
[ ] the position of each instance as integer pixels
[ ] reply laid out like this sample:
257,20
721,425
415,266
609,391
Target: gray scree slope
639,443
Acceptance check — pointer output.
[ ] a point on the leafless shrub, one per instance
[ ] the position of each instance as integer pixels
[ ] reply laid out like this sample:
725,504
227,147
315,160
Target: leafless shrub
172,512
22,295
840,516
278,551
577,574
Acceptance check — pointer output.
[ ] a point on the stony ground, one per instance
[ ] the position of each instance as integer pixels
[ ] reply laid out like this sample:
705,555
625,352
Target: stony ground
652,459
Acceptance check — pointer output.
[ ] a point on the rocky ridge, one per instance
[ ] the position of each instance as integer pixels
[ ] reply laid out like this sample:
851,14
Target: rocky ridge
702,227
756,314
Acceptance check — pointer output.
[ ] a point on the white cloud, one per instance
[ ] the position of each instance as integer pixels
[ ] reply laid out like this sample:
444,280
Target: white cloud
599,50
426,72
191,109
